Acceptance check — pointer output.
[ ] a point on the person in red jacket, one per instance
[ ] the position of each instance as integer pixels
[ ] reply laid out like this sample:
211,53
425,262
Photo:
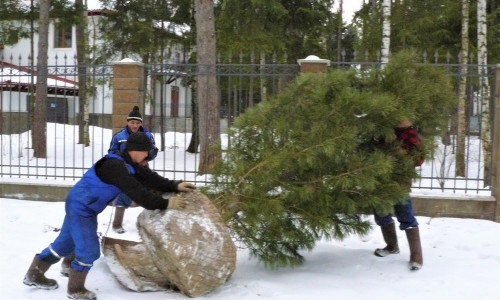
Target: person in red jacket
412,144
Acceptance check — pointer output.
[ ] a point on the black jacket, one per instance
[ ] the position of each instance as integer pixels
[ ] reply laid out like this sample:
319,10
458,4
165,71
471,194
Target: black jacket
137,186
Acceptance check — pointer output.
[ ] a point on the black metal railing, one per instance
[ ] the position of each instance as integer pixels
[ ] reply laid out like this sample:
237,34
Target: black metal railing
169,91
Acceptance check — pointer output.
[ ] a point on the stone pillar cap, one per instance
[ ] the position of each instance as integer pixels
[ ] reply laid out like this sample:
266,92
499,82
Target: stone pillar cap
127,61
313,59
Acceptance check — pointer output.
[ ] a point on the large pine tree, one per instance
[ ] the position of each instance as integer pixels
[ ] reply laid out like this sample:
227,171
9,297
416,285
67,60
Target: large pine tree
308,163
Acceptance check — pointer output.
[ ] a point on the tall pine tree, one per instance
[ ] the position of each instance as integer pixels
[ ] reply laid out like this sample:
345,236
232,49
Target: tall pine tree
308,163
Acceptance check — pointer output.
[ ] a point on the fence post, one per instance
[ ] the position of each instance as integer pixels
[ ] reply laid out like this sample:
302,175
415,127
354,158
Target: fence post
128,90
313,64
495,178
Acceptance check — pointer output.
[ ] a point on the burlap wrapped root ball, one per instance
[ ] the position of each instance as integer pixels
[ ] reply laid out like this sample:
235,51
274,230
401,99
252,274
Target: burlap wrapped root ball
191,247
132,265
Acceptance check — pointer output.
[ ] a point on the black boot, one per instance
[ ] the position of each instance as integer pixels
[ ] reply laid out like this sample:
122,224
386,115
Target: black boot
76,286
416,257
66,263
36,275
118,220
391,239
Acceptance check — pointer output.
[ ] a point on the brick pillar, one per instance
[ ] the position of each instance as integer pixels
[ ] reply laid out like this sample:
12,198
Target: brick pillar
495,179
313,64
128,90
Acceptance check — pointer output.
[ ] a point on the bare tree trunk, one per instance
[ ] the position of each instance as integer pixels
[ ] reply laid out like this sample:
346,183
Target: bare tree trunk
206,83
339,33
81,45
31,89
163,128
39,130
386,33
484,88
263,89
195,137
250,90
461,114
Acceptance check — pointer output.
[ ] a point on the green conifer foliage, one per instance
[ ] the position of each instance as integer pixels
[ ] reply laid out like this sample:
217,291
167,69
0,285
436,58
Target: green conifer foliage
309,163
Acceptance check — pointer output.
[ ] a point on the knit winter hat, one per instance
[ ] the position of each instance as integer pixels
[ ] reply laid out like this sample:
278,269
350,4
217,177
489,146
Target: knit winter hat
138,141
135,114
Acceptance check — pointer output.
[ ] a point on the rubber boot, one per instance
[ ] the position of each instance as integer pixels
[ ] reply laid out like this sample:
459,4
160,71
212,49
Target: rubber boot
391,239
76,286
36,275
416,258
118,220
65,264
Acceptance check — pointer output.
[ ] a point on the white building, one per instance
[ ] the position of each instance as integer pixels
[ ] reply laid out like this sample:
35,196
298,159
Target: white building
62,102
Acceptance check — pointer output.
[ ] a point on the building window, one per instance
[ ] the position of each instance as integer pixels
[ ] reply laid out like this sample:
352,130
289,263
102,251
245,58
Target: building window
62,37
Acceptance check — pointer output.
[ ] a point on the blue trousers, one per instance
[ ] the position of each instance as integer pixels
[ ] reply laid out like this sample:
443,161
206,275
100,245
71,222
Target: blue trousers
123,200
404,214
79,235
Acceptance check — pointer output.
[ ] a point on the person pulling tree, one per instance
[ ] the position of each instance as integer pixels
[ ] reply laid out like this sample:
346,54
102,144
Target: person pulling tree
126,173
412,145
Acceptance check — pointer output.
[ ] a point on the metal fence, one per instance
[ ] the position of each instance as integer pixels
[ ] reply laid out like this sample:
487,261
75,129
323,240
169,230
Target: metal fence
168,114
439,173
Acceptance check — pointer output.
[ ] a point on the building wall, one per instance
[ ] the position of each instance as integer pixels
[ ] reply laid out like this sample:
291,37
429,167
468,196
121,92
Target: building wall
13,101
101,101
57,56
13,123
184,99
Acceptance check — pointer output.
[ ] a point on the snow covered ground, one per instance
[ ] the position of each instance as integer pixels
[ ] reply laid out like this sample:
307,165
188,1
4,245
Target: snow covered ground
461,261
461,256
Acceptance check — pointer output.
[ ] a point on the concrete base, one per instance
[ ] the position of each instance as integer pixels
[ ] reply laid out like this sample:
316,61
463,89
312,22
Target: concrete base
473,207
478,207
37,192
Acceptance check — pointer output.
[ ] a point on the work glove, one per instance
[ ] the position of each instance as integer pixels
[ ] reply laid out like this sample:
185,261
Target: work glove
176,203
185,187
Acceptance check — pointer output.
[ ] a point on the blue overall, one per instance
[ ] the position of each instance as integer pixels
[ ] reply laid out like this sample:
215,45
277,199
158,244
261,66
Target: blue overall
404,214
78,234
118,143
